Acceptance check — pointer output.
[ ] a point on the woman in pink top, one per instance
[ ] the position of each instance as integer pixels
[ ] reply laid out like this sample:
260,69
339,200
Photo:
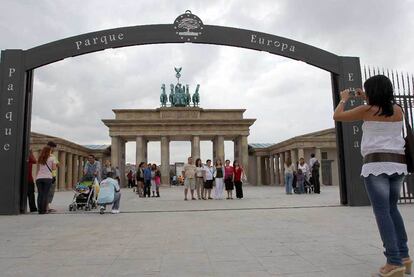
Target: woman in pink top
228,179
44,178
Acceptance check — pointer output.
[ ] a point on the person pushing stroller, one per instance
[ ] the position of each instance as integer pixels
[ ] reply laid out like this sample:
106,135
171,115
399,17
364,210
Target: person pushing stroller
109,193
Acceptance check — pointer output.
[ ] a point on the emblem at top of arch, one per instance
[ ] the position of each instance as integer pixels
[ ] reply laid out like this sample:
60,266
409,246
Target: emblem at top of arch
188,26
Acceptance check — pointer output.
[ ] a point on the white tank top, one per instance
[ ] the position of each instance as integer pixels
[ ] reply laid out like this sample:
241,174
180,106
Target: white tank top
382,137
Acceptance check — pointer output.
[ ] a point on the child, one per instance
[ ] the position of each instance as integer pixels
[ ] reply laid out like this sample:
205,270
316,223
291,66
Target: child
300,179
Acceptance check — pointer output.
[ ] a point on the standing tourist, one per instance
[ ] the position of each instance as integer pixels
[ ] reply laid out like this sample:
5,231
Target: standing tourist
157,180
289,169
315,165
44,178
199,179
140,179
107,168
219,179
147,180
153,175
228,179
238,173
189,172
208,179
52,190
383,170
92,169
30,183
130,176
304,167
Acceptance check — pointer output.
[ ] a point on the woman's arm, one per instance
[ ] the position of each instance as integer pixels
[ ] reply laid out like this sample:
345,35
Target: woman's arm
354,114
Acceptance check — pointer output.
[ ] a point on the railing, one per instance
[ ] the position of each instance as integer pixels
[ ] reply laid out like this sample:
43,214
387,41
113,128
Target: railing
403,84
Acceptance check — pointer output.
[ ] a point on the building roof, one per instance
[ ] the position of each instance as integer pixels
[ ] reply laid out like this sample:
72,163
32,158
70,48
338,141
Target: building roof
260,145
97,146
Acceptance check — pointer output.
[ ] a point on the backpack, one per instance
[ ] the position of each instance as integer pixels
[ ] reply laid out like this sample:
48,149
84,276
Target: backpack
316,165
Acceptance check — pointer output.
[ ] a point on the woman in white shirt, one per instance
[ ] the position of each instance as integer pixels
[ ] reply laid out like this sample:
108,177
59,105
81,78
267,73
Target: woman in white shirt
384,167
44,178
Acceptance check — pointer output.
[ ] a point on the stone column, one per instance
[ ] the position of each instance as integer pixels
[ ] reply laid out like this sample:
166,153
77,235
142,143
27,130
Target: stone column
259,171
69,180
277,166
165,160
115,145
62,170
266,169
294,157
141,150
75,169
238,149
244,153
301,153
214,151
282,168
195,148
272,170
122,162
220,148
80,167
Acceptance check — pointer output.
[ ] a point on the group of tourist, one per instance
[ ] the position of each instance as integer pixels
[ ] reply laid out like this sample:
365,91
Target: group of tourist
302,177
201,178
148,180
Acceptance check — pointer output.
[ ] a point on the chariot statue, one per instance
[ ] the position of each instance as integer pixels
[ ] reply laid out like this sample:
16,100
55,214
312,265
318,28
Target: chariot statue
163,96
179,94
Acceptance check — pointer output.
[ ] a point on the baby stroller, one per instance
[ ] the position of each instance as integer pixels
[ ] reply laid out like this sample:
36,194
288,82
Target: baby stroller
84,196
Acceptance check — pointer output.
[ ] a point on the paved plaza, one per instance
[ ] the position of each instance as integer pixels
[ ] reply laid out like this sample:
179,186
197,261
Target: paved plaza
266,234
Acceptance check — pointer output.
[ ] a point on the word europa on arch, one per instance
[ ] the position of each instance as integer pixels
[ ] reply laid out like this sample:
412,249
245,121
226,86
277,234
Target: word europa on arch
272,43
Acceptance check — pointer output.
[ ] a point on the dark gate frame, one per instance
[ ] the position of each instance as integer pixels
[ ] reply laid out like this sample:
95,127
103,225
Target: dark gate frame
16,86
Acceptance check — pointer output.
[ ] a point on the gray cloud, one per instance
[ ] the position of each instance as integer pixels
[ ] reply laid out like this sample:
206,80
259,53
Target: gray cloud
288,98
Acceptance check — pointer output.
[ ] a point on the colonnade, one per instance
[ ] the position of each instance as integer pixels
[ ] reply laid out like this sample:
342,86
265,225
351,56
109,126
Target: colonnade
270,168
118,150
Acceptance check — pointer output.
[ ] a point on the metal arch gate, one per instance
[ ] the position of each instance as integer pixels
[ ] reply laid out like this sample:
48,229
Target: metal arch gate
16,86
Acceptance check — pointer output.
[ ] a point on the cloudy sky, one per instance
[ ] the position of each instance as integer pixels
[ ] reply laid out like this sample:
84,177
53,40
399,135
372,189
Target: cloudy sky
287,97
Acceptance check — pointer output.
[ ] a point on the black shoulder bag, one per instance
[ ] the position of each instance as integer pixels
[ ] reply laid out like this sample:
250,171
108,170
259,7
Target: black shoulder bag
409,145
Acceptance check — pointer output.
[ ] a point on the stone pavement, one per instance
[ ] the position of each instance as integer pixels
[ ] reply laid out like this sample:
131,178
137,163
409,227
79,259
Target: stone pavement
266,234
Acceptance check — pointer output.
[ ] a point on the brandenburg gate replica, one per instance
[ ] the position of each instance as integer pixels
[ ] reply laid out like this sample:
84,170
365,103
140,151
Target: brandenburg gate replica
178,119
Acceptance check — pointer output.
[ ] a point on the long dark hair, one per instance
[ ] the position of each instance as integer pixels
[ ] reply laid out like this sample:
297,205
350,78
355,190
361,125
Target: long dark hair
288,161
44,155
198,163
380,93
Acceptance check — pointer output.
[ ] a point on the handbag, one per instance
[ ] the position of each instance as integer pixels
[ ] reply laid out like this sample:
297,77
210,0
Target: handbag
409,145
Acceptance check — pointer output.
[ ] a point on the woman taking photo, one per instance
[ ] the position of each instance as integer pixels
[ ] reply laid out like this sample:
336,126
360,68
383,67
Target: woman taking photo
44,178
384,167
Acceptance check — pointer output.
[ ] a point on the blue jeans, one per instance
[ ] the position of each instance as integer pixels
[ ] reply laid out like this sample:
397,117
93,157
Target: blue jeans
383,192
288,182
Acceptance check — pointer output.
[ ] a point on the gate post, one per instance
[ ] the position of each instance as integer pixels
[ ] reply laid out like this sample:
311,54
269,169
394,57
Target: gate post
348,135
13,135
